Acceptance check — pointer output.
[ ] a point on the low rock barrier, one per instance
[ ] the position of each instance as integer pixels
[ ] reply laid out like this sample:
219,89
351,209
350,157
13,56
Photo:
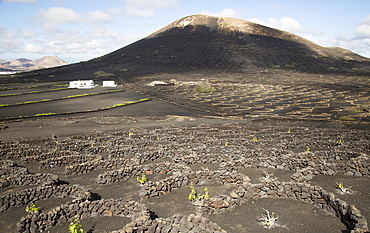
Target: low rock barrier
68,159
12,175
175,223
244,191
305,164
83,209
98,162
129,171
24,197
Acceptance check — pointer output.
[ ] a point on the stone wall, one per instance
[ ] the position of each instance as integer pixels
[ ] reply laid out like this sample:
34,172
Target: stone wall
12,175
134,170
84,209
175,223
98,162
244,191
24,197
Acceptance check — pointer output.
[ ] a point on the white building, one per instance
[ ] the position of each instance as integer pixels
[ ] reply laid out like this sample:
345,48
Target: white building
82,84
109,84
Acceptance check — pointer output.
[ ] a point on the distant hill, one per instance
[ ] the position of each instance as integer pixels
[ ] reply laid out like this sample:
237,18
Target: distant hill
23,64
214,45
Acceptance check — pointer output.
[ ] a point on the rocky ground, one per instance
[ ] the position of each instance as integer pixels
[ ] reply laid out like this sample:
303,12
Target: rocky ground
264,145
291,171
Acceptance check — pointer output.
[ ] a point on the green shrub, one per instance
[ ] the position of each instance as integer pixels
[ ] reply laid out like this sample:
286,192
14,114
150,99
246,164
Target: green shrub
346,118
288,66
275,66
332,68
75,226
102,74
123,70
205,89
293,64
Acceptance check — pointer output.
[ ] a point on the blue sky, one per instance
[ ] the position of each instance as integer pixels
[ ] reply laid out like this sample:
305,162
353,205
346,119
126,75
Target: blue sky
79,30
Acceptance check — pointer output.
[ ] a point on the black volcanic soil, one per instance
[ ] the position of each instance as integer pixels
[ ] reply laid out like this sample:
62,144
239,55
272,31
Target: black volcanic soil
318,106
293,215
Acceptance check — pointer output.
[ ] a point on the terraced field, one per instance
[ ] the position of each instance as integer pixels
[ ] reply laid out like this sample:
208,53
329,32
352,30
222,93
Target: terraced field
246,170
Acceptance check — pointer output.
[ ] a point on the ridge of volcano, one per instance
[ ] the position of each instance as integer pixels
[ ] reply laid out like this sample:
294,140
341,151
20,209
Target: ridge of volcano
201,43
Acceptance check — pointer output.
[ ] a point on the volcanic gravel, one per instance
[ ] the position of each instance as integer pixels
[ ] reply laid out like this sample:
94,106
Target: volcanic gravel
247,170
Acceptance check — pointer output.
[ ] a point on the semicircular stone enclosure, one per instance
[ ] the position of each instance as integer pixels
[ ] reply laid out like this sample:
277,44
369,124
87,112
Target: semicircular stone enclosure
189,179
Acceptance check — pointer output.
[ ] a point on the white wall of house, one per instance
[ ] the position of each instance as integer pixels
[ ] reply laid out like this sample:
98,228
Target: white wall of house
82,84
109,84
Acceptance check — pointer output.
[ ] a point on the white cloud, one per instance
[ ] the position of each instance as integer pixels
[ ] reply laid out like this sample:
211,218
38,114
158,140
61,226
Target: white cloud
60,15
152,4
54,15
362,30
70,46
102,32
9,35
9,45
286,24
31,48
358,41
256,20
22,1
26,34
224,13
48,26
146,8
98,16
133,11
115,11
277,7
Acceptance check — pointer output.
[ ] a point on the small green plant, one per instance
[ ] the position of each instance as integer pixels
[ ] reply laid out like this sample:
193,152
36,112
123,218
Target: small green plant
340,141
142,180
356,69
31,208
157,137
275,66
344,190
193,194
268,177
130,134
332,68
205,195
123,70
205,89
45,114
288,66
75,227
293,63
226,144
308,149
289,130
346,118
267,220
255,139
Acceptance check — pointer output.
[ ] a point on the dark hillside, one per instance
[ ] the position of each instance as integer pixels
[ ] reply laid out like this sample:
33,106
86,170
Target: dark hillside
211,44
